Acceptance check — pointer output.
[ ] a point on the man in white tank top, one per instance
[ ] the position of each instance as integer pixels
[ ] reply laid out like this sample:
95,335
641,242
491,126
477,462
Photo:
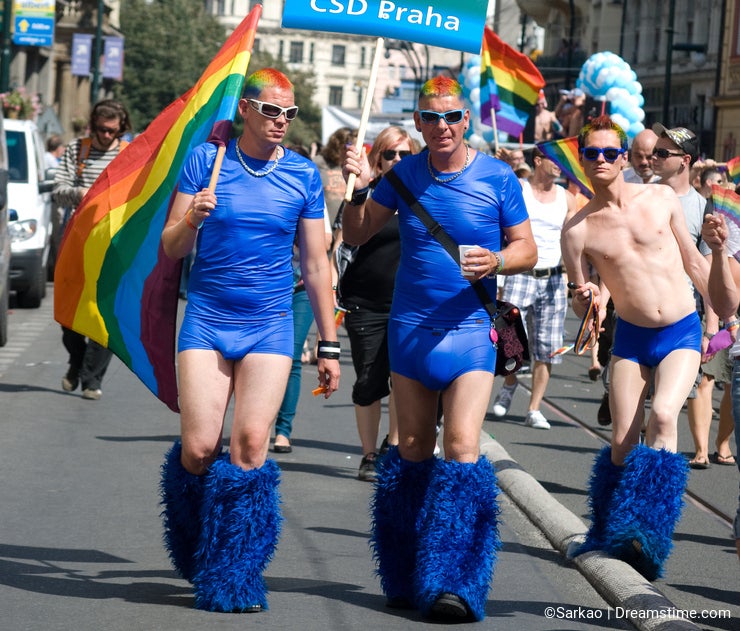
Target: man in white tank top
540,293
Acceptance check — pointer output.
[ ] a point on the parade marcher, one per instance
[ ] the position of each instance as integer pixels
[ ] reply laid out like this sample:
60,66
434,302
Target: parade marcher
365,290
222,510
79,166
540,293
635,236
435,521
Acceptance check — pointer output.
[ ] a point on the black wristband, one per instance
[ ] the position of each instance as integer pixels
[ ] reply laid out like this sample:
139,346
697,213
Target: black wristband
360,197
328,350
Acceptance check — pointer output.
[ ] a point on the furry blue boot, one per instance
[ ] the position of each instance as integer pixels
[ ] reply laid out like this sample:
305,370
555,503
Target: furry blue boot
181,494
240,516
604,479
458,540
645,508
399,493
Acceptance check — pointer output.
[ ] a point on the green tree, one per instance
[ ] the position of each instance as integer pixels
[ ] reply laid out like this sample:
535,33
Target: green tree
159,66
169,44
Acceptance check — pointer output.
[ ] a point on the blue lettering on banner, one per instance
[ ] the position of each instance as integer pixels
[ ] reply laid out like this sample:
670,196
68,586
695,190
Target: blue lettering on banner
453,24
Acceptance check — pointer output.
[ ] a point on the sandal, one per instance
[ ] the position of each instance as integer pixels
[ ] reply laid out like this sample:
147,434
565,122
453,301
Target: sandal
727,461
699,464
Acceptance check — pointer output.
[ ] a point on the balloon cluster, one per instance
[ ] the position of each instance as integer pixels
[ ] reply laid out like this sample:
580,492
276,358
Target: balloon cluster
607,77
479,135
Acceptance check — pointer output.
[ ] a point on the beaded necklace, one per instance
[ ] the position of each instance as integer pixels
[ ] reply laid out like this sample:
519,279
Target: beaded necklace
454,177
252,172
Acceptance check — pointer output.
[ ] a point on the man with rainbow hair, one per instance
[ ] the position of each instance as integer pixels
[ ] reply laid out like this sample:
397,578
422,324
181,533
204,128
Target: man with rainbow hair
221,509
636,238
435,520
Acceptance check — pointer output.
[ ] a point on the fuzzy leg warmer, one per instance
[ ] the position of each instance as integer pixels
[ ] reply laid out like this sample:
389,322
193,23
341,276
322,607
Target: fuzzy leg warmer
604,479
645,509
459,538
241,521
399,493
181,493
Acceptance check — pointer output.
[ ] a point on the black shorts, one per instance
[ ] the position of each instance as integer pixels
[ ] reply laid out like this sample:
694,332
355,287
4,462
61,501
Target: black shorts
368,339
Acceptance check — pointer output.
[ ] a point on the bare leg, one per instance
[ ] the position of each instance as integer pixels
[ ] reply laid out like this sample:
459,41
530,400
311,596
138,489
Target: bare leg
628,386
368,421
540,379
392,420
700,418
416,407
726,424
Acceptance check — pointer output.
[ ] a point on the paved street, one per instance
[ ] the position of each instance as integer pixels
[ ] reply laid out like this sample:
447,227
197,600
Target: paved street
80,536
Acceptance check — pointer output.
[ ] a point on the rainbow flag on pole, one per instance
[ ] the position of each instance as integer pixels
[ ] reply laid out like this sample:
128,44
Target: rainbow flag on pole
516,80
733,170
113,282
727,202
564,153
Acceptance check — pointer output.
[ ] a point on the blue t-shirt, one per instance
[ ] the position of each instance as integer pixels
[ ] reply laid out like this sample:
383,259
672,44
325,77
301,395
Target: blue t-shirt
242,269
473,208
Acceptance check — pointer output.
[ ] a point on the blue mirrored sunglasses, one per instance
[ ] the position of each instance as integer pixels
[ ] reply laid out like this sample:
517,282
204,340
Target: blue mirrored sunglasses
452,117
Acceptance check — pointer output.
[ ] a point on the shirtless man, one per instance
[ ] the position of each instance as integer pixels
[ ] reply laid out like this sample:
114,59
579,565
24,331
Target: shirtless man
636,238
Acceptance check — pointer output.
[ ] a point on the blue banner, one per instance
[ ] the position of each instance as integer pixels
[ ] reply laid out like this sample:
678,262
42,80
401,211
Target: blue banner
113,58
454,24
81,54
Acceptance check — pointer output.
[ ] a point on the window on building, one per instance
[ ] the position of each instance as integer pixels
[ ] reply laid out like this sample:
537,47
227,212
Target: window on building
335,95
256,46
735,50
254,3
311,52
337,55
221,7
296,52
281,46
363,52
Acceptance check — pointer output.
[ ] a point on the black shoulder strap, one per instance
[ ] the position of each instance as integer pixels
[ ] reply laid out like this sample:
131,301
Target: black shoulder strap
438,232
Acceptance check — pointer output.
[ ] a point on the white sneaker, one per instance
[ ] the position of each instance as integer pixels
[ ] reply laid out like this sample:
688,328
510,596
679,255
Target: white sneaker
536,420
502,403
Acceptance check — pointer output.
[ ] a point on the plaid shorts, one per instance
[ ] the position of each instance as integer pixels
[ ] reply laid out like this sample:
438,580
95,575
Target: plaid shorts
543,303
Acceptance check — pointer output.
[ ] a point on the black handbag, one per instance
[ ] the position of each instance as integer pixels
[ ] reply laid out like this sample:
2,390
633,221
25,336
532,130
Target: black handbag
508,334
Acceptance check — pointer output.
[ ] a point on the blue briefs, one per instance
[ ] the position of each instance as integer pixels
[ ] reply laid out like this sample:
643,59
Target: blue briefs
236,340
436,357
650,346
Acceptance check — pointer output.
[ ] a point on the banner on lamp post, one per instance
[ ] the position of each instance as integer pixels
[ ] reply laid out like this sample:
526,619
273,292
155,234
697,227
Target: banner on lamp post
81,54
446,23
113,58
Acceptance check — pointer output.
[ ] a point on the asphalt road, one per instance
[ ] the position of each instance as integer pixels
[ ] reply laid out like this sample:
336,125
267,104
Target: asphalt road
80,535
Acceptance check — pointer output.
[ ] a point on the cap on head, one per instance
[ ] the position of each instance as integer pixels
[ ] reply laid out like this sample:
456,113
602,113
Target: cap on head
683,138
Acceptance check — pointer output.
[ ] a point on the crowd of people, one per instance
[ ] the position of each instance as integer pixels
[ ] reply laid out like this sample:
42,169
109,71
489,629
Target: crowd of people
644,257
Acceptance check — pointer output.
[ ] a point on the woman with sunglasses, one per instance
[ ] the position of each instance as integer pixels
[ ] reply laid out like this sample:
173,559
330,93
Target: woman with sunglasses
365,290
221,510
435,520
636,238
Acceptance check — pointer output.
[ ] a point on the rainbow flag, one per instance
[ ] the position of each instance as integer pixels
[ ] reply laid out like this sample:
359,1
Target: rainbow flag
516,84
564,153
113,283
733,170
727,202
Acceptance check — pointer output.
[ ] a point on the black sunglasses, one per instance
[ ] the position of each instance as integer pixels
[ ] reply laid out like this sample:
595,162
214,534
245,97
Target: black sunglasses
610,153
390,154
664,153
274,111
452,117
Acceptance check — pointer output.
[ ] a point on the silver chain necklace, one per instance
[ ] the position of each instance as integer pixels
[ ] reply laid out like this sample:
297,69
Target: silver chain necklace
252,172
454,177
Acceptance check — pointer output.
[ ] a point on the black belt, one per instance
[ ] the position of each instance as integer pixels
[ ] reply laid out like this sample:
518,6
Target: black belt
546,272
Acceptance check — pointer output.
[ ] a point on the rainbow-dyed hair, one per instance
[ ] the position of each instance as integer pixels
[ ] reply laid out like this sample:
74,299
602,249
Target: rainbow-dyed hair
440,86
265,78
598,124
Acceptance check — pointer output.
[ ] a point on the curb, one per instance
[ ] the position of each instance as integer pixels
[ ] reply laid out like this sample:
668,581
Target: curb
617,582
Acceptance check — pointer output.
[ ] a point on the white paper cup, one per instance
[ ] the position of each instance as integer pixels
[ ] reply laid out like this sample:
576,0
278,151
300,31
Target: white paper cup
463,249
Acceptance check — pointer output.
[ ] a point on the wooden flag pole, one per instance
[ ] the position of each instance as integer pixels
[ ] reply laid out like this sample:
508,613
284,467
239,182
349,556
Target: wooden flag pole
216,167
495,131
365,113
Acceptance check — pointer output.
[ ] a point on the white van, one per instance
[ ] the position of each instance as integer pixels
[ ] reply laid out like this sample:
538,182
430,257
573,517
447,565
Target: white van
4,237
29,212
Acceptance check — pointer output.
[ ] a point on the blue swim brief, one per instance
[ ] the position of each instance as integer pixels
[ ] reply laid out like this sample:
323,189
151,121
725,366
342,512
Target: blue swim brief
236,340
436,357
650,346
